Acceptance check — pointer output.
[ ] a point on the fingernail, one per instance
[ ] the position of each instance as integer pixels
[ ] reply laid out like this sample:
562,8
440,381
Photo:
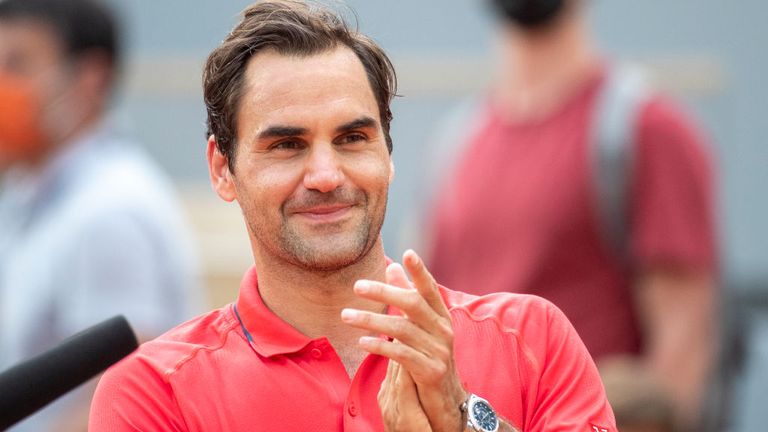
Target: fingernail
411,255
367,340
394,267
362,286
348,314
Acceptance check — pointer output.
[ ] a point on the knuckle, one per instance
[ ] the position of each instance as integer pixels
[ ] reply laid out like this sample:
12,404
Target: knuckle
390,425
436,372
441,369
409,356
365,318
442,353
445,328
412,299
400,326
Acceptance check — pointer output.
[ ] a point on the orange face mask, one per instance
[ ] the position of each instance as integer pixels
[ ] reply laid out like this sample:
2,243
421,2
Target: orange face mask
21,137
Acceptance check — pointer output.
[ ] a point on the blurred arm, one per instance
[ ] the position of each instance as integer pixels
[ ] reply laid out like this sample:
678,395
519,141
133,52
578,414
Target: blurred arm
677,309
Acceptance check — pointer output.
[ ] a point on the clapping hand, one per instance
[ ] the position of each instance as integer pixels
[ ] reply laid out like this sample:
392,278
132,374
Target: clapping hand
421,390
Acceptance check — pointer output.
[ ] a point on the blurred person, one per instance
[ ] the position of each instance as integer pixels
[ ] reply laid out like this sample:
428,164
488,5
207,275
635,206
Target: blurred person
638,400
519,201
89,226
298,124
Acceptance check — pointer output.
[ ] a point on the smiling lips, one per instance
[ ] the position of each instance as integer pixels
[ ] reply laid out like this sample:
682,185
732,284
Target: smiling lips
325,213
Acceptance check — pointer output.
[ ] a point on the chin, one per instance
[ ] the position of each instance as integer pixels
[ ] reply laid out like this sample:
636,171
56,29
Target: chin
325,264
329,254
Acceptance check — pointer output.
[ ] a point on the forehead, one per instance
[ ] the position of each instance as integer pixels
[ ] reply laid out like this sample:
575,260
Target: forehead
302,89
26,44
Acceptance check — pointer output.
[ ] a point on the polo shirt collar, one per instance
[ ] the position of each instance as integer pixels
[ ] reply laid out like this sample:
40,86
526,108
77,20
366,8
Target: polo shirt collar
270,335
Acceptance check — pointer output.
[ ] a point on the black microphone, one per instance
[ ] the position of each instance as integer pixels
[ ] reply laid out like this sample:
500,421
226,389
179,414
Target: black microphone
34,383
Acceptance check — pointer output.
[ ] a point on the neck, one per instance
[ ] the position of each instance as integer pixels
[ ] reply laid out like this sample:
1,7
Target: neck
312,301
90,117
540,69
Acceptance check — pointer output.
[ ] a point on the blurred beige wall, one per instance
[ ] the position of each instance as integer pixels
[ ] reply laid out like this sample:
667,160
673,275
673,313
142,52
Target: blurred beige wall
222,239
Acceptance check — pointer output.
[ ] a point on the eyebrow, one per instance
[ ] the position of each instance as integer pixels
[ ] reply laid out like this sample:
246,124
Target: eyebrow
279,131
282,132
360,123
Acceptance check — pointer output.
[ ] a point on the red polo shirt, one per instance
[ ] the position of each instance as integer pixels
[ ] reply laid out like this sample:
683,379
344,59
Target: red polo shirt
517,351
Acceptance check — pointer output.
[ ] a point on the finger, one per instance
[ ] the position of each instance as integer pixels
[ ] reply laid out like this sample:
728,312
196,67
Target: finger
395,276
404,381
411,303
424,369
416,393
424,282
388,384
387,403
399,328
406,387
399,402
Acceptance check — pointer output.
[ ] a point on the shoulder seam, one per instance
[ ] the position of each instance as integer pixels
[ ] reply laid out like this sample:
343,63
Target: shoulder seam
178,365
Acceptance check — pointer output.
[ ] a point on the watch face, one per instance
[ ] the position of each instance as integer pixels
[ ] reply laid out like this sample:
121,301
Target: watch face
484,416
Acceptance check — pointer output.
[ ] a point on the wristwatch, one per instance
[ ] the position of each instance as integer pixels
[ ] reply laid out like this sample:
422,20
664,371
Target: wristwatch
480,415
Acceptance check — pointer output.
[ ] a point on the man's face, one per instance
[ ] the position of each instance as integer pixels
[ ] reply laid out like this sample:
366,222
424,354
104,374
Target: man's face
29,50
311,168
34,77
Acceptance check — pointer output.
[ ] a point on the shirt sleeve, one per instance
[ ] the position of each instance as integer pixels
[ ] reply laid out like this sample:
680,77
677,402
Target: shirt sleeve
566,392
132,396
672,205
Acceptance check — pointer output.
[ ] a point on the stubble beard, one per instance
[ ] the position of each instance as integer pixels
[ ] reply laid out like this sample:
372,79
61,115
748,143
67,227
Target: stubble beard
327,253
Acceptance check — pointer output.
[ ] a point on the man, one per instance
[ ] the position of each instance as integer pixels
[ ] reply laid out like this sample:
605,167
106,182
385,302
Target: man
518,211
326,333
89,227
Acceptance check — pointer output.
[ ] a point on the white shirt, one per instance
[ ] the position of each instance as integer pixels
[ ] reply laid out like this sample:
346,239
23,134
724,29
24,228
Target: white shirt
96,232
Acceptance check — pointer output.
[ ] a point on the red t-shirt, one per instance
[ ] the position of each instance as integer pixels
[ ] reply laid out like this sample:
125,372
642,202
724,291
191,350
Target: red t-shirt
518,214
517,351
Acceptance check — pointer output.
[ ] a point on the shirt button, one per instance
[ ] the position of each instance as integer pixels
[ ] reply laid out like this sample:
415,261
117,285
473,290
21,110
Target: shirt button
352,409
316,353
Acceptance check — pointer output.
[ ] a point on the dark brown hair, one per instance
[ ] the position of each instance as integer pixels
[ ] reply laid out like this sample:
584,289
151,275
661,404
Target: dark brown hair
82,26
290,27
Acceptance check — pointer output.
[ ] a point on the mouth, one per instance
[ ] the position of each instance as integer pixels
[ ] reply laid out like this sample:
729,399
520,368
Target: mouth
324,213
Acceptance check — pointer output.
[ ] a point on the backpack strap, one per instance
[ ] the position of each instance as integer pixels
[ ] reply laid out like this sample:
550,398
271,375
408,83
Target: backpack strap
615,120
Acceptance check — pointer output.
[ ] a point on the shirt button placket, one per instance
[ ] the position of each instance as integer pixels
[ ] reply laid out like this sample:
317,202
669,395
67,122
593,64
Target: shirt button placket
352,408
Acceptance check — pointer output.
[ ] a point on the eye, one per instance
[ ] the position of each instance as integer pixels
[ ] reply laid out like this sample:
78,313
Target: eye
16,63
288,144
351,138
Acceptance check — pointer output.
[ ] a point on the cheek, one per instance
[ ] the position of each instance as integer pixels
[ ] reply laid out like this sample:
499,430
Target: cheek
265,191
375,172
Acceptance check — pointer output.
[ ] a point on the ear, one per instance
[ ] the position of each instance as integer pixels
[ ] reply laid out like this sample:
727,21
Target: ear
92,81
218,169
391,171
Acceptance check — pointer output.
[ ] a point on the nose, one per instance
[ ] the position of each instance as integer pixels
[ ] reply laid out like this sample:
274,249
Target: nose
323,171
